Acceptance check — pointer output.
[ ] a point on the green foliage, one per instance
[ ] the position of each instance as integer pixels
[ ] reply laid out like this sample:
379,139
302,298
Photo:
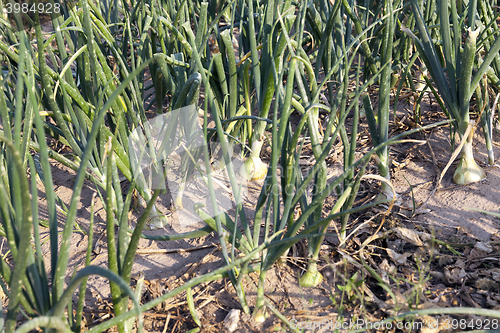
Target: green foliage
455,78
254,65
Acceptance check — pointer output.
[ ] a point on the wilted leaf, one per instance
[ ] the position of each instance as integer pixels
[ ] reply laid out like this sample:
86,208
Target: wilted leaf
409,236
383,269
460,263
422,211
478,256
424,236
494,273
484,247
397,258
445,260
475,254
455,274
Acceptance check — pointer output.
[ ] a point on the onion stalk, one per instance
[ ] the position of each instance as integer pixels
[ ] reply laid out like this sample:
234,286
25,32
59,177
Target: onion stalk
384,97
293,184
487,116
379,123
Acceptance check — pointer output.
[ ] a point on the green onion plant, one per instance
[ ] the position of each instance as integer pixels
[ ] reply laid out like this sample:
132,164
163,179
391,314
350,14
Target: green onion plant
281,194
102,80
456,80
379,122
27,281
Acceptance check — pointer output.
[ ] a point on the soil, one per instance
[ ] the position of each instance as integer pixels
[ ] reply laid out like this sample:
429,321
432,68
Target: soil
414,176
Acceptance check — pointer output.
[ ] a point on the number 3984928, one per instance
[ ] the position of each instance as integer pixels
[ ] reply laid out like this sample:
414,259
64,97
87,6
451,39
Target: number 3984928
31,7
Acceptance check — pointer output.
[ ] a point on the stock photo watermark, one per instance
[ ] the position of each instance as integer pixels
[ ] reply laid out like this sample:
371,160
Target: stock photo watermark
329,324
170,152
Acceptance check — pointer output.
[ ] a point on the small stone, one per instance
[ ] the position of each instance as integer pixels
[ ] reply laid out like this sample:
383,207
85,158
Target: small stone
231,320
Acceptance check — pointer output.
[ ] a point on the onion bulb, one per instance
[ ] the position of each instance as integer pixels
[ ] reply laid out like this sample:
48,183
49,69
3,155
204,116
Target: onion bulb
311,278
260,315
156,220
468,171
254,168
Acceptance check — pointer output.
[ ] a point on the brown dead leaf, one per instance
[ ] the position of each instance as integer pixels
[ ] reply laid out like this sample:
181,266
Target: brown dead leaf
409,236
399,259
475,253
455,274
460,263
424,236
484,247
493,300
494,273
384,269
445,260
